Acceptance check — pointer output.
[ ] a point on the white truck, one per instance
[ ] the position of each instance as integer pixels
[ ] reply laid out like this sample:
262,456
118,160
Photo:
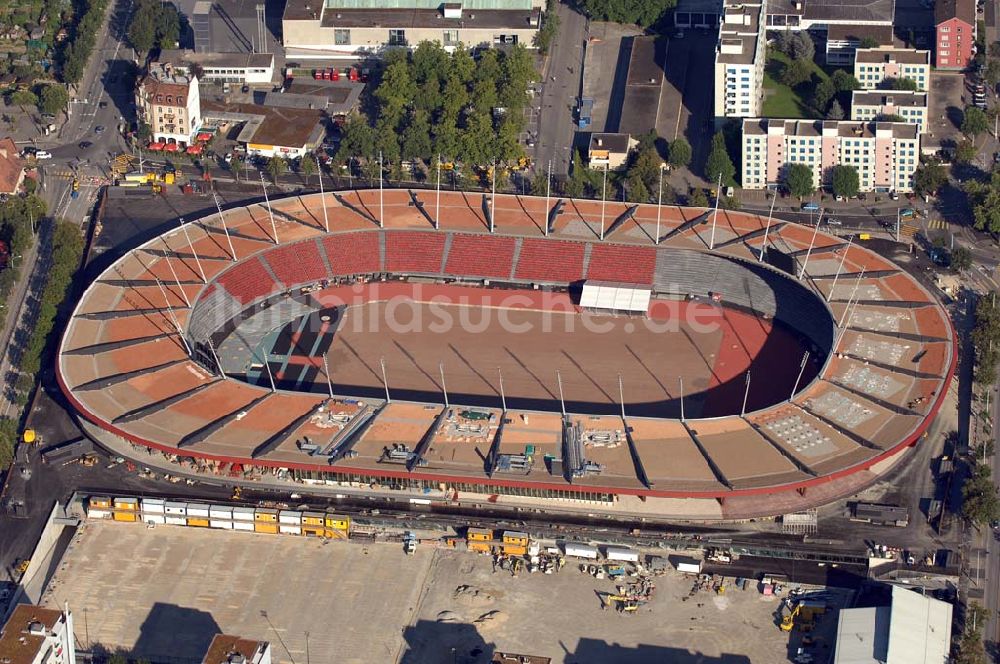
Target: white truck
578,550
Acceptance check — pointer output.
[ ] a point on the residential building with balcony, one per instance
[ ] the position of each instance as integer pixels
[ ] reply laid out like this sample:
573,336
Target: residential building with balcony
872,66
874,105
33,635
349,28
885,154
842,41
739,60
954,33
167,99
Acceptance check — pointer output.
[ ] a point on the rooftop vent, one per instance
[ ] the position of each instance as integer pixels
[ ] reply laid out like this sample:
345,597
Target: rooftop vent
36,628
453,10
237,658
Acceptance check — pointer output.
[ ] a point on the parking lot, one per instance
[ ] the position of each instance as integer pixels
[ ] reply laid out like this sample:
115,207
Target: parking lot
948,97
166,590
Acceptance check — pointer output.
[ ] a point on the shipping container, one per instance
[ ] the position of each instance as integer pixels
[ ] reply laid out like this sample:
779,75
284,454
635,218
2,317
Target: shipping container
126,504
221,524
312,530
515,549
243,525
688,566
313,518
479,535
621,553
197,522
289,529
243,514
515,537
175,520
266,515
479,546
287,516
125,516
152,506
158,519
265,527
197,510
220,512
99,501
338,521
580,550
175,507
98,513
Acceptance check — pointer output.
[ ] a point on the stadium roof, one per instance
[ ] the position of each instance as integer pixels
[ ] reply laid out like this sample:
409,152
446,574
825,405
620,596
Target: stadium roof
914,629
125,368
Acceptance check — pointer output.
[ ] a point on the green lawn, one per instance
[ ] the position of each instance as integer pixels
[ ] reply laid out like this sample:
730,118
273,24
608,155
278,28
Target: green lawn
781,101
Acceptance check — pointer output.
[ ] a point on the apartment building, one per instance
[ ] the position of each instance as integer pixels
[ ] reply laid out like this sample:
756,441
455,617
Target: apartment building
167,99
955,33
885,154
873,105
226,649
325,28
34,635
842,41
872,66
739,60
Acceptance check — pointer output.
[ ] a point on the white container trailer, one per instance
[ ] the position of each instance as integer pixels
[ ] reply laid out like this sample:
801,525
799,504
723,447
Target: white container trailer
175,507
580,550
289,529
175,520
222,524
621,553
98,513
220,512
243,514
152,506
157,519
197,511
288,516
689,566
243,525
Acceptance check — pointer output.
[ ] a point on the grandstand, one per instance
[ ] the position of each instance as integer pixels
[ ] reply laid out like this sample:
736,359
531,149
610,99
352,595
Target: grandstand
239,366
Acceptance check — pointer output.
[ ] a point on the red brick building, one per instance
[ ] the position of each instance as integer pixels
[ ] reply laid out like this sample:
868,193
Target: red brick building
955,27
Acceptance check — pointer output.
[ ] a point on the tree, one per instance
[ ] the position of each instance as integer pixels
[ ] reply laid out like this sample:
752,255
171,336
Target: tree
307,165
680,153
795,73
142,28
889,117
698,198
168,25
802,46
970,643
643,13
549,28
54,99
868,42
929,177
974,122
578,177
836,111
845,181
357,139
276,166
718,162
905,84
980,502
824,91
844,82
992,74
965,152
24,98
799,179
417,137
961,259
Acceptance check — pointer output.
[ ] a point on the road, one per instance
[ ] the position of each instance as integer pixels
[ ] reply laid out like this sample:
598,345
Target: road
562,83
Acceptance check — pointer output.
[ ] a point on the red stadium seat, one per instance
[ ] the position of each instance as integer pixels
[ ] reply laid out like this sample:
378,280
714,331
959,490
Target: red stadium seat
622,264
297,263
481,256
550,261
352,253
248,281
414,251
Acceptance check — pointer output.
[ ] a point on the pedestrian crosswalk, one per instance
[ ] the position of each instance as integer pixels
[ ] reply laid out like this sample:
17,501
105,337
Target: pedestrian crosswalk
64,174
122,164
908,230
937,225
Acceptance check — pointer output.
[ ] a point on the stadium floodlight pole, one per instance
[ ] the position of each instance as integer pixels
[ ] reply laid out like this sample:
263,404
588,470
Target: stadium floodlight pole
659,205
173,318
840,267
381,198
897,224
562,401
194,253
746,395
604,200
173,273
493,195
767,228
548,193
385,381
503,397
715,215
329,380
270,376
218,362
225,230
270,213
802,370
444,386
857,284
621,396
322,196
682,399
812,243
437,206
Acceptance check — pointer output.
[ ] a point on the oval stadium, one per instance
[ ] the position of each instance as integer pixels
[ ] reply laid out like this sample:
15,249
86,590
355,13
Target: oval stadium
518,346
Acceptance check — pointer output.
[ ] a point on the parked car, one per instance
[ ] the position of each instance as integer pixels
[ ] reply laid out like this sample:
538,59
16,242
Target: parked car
99,129
42,154
810,207
83,145
832,221
893,196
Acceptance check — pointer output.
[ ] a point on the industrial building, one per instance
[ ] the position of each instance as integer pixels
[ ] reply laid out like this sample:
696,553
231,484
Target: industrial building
270,131
242,68
912,629
33,635
739,61
885,154
348,28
